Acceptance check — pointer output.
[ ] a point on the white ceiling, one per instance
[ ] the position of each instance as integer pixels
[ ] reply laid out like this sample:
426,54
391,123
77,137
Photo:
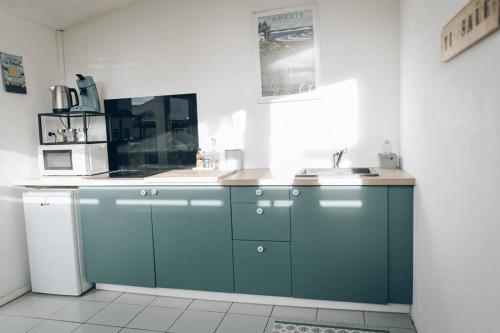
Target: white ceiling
61,14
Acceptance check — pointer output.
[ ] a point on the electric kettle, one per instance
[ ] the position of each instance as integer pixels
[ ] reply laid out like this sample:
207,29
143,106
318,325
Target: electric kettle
62,100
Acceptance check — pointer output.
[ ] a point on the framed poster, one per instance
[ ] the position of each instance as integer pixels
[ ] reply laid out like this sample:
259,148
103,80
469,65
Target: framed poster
13,73
287,54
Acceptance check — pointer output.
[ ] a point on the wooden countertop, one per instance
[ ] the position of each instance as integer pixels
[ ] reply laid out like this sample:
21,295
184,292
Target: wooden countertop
190,176
247,177
173,177
268,177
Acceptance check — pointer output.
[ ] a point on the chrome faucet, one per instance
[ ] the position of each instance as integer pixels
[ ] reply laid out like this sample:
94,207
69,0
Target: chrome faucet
337,158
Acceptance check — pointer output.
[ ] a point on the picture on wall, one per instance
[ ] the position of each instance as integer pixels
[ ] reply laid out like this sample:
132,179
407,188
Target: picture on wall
287,54
13,73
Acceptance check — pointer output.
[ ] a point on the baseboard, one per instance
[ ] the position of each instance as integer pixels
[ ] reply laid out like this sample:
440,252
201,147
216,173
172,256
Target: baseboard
15,294
256,299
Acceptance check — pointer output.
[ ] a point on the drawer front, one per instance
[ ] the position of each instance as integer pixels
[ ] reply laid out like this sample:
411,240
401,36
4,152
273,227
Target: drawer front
262,268
261,222
252,194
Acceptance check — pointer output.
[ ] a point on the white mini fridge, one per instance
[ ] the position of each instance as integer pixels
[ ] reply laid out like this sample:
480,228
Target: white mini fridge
55,246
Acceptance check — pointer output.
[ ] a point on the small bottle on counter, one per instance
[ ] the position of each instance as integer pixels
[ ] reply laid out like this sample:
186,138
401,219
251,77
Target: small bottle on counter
199,159
387,147
214,155
206,161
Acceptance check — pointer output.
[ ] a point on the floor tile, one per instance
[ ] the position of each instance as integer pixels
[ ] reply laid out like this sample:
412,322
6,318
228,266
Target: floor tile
52,326
402,330
18,304
197,322
101,295
155,318
172,302
2,317
397,320
242,324
291,312
133,330
135,299
62,297
269,325
116,314
88,328
79,311
251,309
18,324
342,316
214,306
44,308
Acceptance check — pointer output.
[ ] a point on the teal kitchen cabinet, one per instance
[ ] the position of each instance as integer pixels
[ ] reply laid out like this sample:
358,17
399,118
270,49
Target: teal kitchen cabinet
117,235
339,243
262,268
401,244
192,237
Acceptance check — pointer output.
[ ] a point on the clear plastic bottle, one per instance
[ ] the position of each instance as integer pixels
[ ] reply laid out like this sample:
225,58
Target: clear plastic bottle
214,155
206,160
387,147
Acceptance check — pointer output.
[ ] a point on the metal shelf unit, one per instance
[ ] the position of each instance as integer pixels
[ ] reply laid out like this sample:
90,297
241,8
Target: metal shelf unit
86,116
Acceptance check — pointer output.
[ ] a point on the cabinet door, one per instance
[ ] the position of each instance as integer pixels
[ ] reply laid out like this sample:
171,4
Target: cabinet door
117,236
262,268
339,243
192,238
401,244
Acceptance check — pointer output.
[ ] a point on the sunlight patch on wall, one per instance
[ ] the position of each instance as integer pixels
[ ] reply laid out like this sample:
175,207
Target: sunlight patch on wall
229,133
306,133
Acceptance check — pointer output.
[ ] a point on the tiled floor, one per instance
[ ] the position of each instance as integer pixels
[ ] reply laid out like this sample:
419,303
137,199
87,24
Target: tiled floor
112,312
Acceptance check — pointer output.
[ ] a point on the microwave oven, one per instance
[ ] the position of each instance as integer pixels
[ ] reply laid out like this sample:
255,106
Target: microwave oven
73,159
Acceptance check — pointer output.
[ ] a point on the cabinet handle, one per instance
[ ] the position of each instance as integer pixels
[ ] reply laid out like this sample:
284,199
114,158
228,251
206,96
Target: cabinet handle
154,191
260,211
259,192
295,192
260,249
143,193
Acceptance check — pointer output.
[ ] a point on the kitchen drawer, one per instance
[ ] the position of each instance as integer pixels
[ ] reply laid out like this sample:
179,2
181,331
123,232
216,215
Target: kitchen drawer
270,222
262,268
252,194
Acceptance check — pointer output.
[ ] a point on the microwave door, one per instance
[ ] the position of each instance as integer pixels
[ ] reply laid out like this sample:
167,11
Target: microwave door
58,159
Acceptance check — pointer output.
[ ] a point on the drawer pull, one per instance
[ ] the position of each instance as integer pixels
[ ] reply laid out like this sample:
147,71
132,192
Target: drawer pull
260,249
295,192
143,193
260,211
259,192
154,191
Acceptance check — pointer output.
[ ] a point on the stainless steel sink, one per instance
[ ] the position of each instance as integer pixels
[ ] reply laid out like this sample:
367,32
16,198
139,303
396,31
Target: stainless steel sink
338,172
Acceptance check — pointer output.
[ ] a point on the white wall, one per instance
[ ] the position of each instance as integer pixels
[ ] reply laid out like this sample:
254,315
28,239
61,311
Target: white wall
18,140
205,46
450,127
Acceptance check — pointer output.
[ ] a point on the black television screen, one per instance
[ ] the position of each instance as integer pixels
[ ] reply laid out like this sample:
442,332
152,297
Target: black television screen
152,133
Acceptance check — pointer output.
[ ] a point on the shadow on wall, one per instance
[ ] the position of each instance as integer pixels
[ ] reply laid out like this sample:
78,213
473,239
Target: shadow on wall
12,242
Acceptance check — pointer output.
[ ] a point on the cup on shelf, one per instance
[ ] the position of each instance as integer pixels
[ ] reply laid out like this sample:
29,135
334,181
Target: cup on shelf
61,135
71,135
80,135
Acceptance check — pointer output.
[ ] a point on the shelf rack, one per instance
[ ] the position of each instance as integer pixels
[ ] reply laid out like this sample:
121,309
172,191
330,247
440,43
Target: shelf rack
67,116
